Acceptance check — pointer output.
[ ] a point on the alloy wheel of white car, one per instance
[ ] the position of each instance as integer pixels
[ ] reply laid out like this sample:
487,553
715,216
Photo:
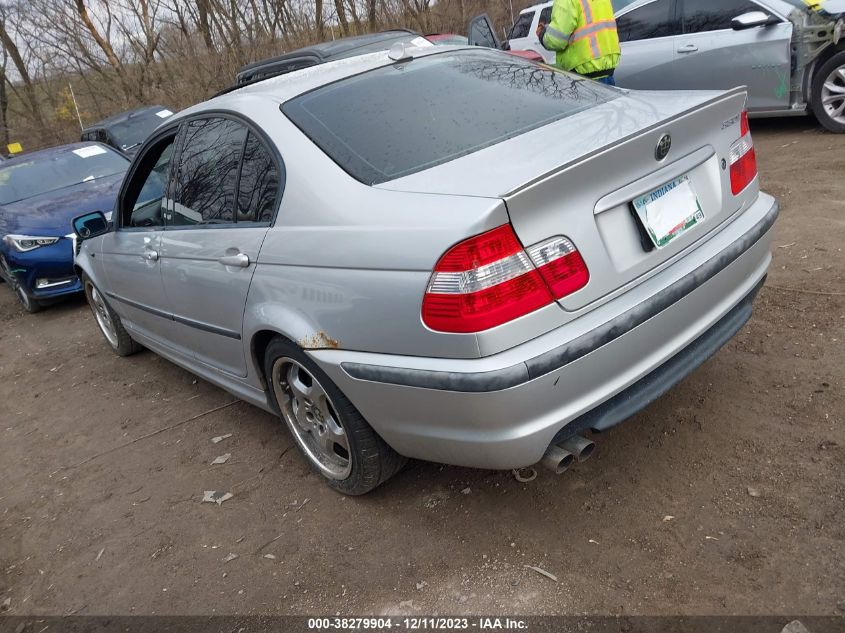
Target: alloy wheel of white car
828,95
833,95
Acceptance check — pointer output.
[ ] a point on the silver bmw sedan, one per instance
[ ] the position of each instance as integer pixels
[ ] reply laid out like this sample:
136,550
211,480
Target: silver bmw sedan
448,254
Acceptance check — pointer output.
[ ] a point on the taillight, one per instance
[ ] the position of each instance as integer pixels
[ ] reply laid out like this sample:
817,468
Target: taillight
561,265
489,280
743,158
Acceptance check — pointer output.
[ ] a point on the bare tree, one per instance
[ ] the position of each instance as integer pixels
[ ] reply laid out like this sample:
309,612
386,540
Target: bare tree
4,103
11,49
123,53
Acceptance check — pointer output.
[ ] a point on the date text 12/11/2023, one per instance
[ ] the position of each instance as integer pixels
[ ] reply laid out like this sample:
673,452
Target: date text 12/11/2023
418,624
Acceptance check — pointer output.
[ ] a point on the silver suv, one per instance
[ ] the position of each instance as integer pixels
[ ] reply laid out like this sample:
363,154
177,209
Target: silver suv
449,254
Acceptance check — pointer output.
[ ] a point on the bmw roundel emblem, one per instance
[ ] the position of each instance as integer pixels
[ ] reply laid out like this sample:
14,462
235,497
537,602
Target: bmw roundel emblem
663,147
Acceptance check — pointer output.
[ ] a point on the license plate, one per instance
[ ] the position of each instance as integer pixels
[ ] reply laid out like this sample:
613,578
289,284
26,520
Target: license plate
670,211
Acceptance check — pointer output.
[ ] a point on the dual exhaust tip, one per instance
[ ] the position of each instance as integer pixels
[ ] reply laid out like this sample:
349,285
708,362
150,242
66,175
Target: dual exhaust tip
559,457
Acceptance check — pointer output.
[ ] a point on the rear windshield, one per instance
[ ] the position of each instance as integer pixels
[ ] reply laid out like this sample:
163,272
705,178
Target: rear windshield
401,119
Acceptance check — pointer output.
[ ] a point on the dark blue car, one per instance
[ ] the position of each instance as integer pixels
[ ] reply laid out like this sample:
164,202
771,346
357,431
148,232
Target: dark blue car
40,193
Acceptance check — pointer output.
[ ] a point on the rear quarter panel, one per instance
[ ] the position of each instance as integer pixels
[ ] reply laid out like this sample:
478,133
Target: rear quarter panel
346,265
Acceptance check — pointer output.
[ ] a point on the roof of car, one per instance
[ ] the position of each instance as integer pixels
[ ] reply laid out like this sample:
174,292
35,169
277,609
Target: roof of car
51,151
326,51
534,7
783,7
281,88
121,117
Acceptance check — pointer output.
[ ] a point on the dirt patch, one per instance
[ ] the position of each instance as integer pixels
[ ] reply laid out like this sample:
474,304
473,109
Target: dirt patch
746,456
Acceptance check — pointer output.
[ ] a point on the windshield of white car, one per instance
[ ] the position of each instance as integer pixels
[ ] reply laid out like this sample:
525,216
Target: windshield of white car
86,163
400,119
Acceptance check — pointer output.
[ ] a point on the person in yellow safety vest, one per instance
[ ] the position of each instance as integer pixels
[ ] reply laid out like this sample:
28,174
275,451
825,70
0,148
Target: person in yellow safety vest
583,32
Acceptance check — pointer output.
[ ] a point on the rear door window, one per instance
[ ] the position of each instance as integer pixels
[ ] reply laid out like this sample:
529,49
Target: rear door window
713,15
522,27
649,21
206,177
259,183
400,119
481,32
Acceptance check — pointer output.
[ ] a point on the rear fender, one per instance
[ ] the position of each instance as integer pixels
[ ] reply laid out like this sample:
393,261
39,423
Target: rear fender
265,319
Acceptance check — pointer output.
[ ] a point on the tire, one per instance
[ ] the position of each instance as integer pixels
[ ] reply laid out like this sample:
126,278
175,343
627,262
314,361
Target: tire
332,435
829,86
29,304
108,321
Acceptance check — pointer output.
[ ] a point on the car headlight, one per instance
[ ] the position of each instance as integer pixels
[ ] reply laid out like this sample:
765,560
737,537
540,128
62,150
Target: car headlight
24,243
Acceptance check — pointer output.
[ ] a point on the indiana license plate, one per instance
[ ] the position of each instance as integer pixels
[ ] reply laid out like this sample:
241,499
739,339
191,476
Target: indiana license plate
670,211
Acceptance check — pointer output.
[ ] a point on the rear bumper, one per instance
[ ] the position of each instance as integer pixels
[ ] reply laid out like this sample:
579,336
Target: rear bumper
503,411
649,388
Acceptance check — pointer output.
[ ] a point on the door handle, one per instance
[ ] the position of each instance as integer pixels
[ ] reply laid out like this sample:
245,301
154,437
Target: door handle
688,48
240,260
151,256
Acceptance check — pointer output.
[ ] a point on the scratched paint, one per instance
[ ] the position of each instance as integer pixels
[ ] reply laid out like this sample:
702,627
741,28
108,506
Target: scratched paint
783,85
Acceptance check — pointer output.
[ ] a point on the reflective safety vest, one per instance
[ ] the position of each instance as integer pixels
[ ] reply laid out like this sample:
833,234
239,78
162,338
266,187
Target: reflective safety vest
583,32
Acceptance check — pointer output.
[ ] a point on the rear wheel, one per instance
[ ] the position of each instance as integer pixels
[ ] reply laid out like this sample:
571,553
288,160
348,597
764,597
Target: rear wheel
335,439
108,321
828,97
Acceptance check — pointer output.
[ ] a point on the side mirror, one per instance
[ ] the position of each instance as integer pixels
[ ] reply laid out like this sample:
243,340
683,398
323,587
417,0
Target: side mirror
753,19
90,225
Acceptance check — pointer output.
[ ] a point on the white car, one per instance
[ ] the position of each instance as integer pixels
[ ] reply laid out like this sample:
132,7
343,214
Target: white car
523,34
790,56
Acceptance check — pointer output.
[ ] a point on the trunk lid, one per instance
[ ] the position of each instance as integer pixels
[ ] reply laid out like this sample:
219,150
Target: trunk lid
578,178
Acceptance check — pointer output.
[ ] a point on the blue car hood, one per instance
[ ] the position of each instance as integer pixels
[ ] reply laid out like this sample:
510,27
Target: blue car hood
51,213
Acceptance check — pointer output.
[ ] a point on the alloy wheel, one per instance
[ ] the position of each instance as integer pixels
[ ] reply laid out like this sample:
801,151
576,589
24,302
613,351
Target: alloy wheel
833,95
312,418
101,313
